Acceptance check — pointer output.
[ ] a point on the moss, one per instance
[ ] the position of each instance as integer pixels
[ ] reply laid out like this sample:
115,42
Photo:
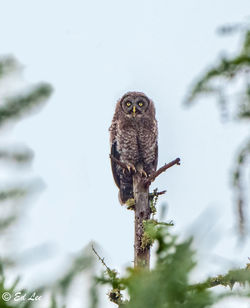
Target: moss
115,296
147,241
153,198
130,204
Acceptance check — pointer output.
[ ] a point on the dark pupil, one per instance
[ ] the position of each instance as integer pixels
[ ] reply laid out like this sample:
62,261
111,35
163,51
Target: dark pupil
128,104
140,104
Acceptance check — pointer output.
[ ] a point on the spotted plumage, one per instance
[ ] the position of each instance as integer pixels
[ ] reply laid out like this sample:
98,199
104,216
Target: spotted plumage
133,139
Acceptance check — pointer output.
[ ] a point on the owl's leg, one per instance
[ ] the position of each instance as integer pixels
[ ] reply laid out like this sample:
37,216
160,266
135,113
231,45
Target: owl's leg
149,168
141,171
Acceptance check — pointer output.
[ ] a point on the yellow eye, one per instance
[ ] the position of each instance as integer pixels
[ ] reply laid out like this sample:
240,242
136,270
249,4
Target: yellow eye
140,104
128,104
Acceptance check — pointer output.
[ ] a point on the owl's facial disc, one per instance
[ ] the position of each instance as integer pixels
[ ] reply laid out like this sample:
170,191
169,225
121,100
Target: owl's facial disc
135,106
141,104
127,105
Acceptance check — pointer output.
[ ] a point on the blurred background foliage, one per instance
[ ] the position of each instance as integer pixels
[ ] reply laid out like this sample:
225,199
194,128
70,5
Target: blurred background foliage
229,81
169,282
14,196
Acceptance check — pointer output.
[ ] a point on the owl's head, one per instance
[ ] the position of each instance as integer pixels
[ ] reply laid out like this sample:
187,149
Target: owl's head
135,104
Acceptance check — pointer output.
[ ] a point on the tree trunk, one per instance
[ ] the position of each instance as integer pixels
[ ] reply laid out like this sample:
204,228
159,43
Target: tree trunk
142,212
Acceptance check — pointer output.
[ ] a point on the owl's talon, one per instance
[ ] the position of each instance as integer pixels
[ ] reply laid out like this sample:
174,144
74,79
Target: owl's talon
130,168
133,168
142,172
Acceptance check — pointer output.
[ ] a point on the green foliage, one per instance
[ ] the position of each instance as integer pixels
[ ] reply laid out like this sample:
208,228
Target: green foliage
13,108
8,293
13,193
153,198
216,81
152,230
8,64
79,263
110,276
20,156
53,303
18,105
167,284
93,294
241,276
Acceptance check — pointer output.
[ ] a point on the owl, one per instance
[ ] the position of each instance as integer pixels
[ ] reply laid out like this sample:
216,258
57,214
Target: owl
133,141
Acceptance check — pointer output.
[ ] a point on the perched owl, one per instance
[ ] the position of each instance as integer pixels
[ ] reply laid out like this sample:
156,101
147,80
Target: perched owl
133,138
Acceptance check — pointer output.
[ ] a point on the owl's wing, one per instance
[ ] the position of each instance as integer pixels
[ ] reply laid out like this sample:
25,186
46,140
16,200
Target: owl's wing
115,170
156,156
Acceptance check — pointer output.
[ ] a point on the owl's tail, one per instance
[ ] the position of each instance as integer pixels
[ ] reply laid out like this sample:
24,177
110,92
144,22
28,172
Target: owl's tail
126,191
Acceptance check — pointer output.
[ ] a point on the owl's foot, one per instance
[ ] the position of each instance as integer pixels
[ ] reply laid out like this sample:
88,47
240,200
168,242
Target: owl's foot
142,172
130,168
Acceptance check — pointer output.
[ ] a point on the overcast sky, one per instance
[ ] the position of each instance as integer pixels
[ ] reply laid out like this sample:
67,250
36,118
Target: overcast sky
92,52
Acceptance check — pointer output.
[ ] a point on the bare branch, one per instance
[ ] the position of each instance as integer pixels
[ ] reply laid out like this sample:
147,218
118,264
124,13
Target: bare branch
154,175
101,259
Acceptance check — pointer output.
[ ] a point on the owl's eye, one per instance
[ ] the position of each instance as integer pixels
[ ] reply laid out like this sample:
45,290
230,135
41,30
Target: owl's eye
140,104
128,104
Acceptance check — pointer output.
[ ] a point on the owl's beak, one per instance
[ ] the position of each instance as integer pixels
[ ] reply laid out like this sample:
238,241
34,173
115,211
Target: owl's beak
134,110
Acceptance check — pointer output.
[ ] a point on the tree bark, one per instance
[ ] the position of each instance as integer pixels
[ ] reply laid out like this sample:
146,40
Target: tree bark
142,212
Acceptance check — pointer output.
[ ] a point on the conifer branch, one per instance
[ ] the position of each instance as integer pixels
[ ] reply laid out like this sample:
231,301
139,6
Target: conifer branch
233,276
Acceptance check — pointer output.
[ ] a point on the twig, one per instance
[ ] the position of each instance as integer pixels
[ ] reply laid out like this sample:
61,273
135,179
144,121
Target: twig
154,175
154,194
153,198
115,295
101,259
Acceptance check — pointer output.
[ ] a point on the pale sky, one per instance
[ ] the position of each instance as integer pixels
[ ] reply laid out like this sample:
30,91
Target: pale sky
92,52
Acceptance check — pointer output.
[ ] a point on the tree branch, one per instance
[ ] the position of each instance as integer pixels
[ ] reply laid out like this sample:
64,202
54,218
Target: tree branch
101,259
154,175
115,295
142,209
233,276
156,193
